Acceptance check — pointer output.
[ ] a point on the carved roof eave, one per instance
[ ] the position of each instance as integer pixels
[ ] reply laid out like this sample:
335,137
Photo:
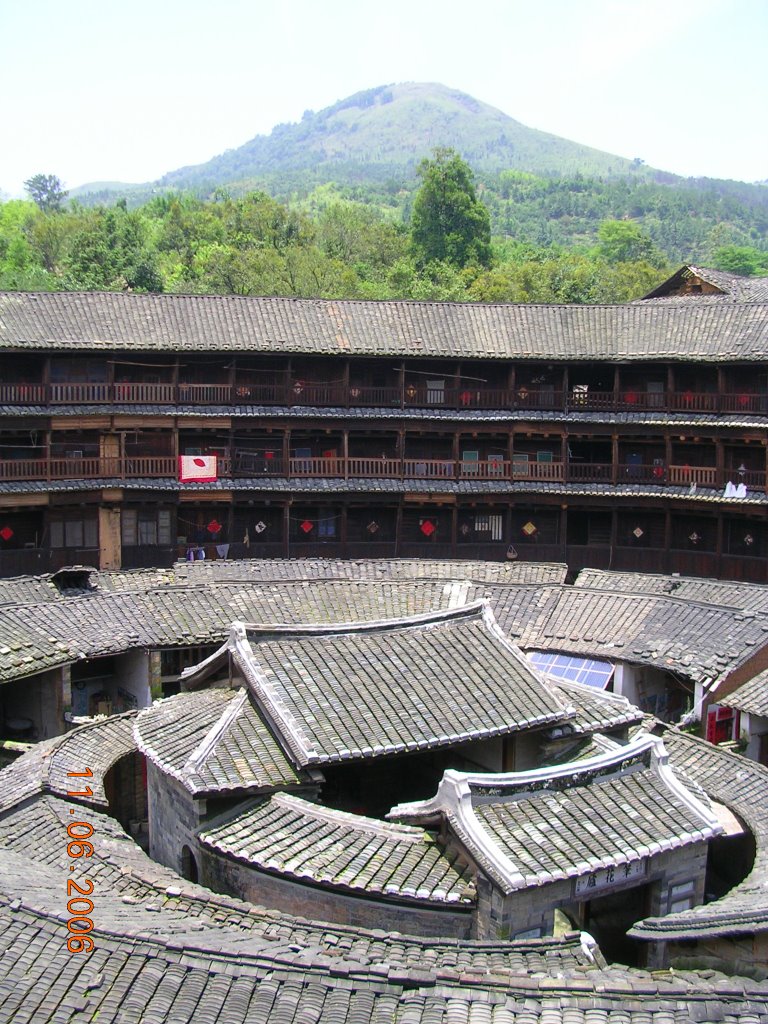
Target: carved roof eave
459,792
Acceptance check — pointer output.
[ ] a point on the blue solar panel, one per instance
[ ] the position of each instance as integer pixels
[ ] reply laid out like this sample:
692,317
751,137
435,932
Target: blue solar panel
575,670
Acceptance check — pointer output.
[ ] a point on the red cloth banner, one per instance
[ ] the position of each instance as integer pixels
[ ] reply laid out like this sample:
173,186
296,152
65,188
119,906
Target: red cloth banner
197,469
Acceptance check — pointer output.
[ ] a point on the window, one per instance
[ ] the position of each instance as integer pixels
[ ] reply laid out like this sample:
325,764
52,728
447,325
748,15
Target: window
326,527
489,524
74,533
146,528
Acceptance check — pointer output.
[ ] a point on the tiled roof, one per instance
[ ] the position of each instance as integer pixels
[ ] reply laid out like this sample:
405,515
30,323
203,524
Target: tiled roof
169,950
107,321
156,614
699,641
596,710
529,828
659,418
325,486
732,287
742,785
750,597
394,675
213,741
752,697
321,846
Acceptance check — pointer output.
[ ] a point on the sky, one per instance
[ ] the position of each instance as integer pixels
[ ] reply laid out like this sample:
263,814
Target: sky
117,91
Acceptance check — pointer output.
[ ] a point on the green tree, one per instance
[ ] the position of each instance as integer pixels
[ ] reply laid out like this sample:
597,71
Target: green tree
449,224
46,191
741,259
623,241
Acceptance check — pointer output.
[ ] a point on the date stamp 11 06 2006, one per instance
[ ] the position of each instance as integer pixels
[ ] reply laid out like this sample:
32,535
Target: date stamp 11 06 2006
79,905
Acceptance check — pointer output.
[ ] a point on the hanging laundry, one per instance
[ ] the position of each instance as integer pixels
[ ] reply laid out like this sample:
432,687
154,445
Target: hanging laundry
222,550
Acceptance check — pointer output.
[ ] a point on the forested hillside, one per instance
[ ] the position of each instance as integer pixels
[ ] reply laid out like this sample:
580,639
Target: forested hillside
539,189
339,210
560,244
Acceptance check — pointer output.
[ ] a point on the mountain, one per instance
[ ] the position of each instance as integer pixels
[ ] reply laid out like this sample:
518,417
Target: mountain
384,132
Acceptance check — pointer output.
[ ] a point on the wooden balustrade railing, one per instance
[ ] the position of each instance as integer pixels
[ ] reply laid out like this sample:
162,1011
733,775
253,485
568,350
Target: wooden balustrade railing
412,396
372,468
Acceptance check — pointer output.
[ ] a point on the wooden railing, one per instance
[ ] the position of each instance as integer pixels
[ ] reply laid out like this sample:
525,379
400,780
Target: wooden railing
702,476
134,467
411,396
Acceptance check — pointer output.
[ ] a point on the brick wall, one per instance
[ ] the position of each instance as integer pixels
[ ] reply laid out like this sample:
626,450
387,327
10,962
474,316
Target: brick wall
235,879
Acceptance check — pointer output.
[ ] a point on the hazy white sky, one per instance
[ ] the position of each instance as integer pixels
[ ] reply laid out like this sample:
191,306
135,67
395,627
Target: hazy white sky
127,91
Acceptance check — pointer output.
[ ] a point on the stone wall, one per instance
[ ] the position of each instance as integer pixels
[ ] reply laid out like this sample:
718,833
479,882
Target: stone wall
674,876
745,955
173,817
225,875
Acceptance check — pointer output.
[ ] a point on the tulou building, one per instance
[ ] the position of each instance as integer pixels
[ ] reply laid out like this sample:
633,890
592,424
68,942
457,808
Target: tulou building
136,430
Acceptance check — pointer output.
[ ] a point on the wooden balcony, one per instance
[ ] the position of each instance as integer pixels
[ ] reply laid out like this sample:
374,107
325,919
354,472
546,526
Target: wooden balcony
302,393
150,467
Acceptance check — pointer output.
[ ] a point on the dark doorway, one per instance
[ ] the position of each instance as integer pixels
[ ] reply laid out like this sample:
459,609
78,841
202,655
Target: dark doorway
188,865
608,918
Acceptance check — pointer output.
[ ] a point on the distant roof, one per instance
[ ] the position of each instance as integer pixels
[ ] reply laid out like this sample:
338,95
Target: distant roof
529,828
698,282
741,785
109,321
213,741
749,597
33,589
702,642
321,846
394,675
752,697
596,710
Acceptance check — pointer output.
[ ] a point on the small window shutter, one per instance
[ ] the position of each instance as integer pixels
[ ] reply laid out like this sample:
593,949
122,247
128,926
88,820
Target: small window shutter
57,534
129,527
73,533
91,533
164,527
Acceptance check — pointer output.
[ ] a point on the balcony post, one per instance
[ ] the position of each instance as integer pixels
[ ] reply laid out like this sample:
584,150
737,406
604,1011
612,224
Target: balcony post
719,463
345,442
287,452
565,384
343,531
721,383
616,387
614,459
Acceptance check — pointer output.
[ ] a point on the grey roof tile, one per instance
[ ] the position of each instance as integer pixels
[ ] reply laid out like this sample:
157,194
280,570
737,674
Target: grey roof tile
322,846
395,676
72,321
240,752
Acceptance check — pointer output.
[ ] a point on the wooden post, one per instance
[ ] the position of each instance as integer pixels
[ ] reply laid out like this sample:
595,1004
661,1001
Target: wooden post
667,540
287,452
398,529
287,529
719,463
